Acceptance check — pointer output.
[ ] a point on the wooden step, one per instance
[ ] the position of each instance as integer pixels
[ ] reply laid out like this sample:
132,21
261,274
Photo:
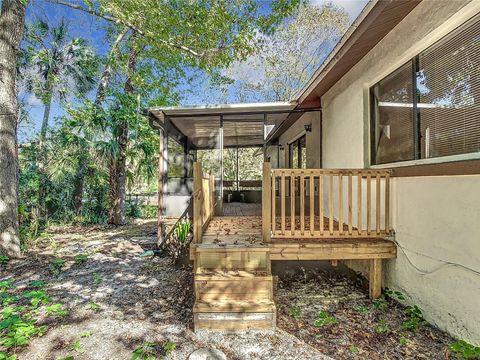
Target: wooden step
237,306
233,285
232,322
227,258
234,315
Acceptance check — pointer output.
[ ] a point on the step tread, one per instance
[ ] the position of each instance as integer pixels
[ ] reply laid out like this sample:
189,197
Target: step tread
235,306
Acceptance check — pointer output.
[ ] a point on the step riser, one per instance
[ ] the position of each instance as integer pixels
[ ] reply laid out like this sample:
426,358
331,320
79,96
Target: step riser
251,289
231,322
258,261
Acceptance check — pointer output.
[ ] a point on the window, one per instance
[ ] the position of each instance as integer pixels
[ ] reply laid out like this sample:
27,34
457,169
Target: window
175,154
430,107
298,153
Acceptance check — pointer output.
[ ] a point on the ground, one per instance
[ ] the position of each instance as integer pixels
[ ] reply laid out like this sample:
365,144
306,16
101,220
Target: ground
114,302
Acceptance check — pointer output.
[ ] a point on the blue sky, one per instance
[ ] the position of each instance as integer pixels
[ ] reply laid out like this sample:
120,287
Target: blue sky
94,31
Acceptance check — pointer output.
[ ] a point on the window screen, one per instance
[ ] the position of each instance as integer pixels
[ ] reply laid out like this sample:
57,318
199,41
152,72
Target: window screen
430,107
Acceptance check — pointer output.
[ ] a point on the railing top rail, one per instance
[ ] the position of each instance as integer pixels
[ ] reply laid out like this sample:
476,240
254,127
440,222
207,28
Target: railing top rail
307,172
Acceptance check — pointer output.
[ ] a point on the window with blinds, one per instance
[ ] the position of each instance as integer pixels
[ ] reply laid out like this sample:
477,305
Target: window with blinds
430,107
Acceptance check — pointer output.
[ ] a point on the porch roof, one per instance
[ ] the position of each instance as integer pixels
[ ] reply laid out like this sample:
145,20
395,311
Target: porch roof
243,124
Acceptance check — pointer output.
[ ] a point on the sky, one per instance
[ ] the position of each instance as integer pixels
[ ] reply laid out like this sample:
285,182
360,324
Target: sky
93,30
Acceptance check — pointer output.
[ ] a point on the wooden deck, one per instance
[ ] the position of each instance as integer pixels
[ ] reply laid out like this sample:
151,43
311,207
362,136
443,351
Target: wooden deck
232,253
233,280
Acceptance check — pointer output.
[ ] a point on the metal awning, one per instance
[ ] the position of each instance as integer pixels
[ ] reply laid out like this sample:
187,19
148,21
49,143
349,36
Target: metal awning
241,124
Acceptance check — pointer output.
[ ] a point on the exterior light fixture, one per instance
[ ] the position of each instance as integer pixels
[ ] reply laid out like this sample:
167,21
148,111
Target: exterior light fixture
308,127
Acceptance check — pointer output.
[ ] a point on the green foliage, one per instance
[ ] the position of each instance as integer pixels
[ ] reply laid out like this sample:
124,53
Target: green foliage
380,304
4,356
411,324
463,350
403,340
56,310
93,306
7,299
56,265
37,297
182,230
6,284
169,347
19,323
415,315
413,311
38,284
353,349
144,352
324,318
294,312
77,347
80,259
382,327
15,331
4,260
86,334
362,309
395,295
97,278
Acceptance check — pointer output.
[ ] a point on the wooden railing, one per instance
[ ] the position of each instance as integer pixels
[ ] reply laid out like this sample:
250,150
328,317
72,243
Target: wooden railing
204,200
326,203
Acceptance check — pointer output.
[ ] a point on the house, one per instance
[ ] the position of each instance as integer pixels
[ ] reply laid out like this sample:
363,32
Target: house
377,161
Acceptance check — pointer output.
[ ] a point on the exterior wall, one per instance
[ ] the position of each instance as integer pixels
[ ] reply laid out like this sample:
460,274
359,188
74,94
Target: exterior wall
313,139
433,217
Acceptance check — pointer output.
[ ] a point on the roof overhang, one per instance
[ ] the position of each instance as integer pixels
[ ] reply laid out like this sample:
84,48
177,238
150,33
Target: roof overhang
376,20
242,124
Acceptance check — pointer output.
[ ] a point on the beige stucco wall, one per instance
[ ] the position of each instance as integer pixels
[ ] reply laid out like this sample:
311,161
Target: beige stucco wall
433,217
313,139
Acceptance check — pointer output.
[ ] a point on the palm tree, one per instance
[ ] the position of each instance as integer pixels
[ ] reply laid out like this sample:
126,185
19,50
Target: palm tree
58,66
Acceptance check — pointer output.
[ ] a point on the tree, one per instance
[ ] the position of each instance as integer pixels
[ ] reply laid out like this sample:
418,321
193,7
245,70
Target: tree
12,15
287,59
205,34
58,66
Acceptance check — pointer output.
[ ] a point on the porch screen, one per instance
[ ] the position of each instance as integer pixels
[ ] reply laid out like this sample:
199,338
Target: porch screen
443,118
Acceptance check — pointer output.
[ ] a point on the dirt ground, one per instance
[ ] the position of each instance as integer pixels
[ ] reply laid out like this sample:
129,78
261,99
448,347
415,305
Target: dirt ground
119,302
352,326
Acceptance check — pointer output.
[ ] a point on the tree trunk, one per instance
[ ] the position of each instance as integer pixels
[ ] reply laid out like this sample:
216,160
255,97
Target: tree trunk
99,98
108,71
46,116
78,183
118,166
12,16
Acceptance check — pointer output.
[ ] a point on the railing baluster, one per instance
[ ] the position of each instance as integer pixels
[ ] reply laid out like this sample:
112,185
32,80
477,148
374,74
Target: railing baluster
359,203
377,199
369,203
340,204
349,204
330,204
387,203
302,203
312,203
292,204
282,205
320,203
274,201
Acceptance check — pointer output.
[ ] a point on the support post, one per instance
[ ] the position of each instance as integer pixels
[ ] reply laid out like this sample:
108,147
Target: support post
266,202
197,201
161,185
375,277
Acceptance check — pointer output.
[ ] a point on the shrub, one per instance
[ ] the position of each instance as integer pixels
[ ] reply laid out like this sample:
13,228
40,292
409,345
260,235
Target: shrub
324,318
464,350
